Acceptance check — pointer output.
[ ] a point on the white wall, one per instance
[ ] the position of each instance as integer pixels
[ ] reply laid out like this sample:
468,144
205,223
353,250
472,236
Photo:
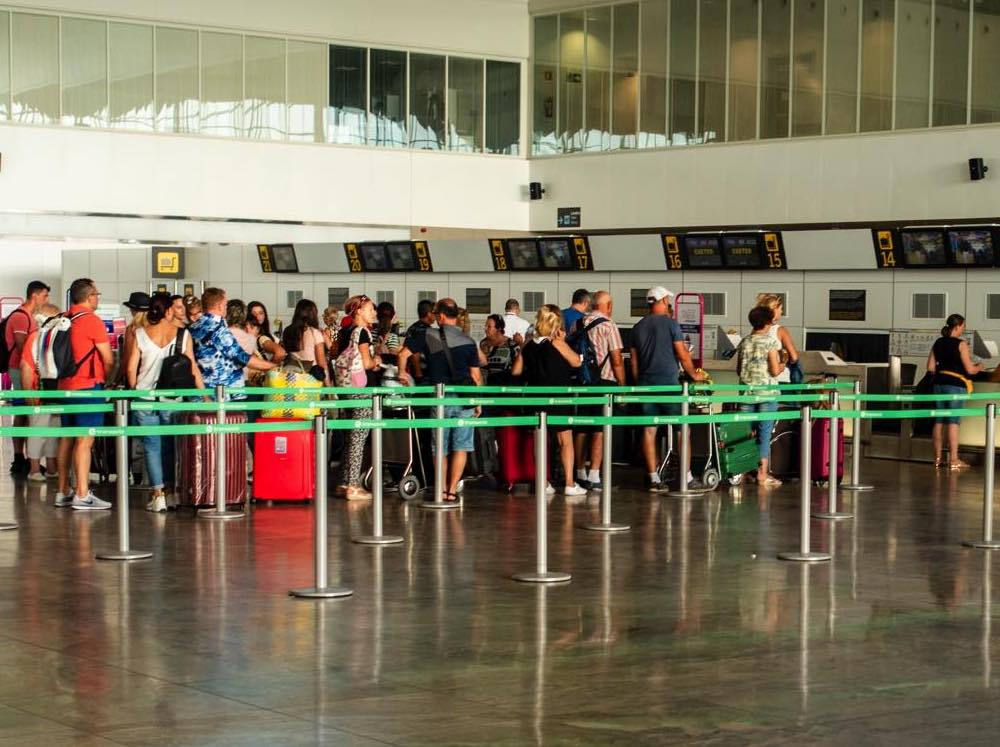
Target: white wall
27,261
482,27
75,170
888,176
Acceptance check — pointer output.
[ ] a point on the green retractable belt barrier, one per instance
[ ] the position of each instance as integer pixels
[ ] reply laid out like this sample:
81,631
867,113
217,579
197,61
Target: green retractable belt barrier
696,399
900,414
245,406
964,396
493,402
54,409
651,420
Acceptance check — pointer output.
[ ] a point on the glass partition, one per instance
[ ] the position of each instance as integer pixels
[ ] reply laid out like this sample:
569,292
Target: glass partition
84,56
4,65
986,62
503,120
776,24
807,69
545,73
348,118
951,58
35,69
571,44
597,100
913,64
842,19
307,90
265,95
743,53
177,86
653,30
683,71
465,104
130,76
387,124
877,33
427,87
712,52
221,84
625,76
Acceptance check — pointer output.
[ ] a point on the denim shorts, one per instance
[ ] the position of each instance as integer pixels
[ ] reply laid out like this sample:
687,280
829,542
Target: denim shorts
459,439
84,419
954,404
651,409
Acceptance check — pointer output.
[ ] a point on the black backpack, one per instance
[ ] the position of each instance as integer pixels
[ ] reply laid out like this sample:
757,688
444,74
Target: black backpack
176,371
589,374
4,350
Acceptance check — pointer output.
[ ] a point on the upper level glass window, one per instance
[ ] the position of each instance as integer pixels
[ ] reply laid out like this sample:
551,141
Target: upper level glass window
177,86
387,126
348,118
221,84
307,90
544,85
35,54
465,104
265,95
503,121
130,76
84,58
427,95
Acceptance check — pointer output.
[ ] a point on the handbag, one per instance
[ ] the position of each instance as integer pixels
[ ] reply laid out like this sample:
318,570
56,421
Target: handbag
348,367
293,374
175,372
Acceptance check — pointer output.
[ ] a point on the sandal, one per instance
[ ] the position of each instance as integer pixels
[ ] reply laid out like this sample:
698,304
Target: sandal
938,463
451,497
769,482
957,465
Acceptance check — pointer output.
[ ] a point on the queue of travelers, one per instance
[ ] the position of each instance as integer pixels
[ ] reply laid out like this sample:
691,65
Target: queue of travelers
187,342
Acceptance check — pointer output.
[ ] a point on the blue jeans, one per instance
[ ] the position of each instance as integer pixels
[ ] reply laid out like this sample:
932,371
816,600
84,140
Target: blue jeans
459,439
159,450
949,404
764,427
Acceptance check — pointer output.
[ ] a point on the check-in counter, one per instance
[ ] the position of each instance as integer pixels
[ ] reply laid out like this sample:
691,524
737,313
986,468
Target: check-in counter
972,431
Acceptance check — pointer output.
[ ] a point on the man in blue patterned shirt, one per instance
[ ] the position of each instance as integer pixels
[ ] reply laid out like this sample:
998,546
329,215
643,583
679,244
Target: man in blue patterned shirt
219,355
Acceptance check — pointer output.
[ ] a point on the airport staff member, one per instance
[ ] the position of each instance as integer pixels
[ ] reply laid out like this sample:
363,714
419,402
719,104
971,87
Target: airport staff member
658,354
516,327
453,358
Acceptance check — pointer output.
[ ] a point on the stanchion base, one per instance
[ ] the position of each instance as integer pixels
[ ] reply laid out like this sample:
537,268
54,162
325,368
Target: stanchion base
441,505
549,577
6,526
382,539
211,513
983,544
124,555
857,488
606,527
686,494
833,515
805,557
327,592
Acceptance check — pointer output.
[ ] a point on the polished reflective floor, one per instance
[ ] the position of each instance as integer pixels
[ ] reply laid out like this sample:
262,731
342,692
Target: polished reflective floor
685,630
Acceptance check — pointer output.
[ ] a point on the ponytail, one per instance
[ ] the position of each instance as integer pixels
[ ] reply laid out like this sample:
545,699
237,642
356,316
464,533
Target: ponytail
953,321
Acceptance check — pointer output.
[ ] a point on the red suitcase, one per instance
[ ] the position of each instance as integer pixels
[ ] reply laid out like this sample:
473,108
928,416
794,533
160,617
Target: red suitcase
284,463
196,487
515,455
820,469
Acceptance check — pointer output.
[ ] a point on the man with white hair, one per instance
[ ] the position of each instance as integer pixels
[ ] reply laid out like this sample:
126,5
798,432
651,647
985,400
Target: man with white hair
658,353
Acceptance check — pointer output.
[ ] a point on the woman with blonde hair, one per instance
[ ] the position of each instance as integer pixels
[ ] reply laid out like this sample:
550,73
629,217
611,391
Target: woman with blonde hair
789,353
547,360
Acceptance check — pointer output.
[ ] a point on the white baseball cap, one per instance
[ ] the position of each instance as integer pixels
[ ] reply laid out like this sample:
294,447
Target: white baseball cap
659,292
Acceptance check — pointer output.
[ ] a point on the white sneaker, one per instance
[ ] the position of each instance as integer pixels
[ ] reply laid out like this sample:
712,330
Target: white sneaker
157,504
172,502
36,477
574,489
90,503
63,500
549,490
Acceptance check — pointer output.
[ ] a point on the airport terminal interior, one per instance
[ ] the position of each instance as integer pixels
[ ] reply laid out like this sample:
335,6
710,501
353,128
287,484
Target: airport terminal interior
517,372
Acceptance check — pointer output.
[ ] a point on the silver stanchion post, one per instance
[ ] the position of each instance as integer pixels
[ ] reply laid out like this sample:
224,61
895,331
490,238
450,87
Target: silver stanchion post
684,490
541,574
989,463
805,553
321,590
220,512
121,489
834,463
376,537
606,524
440,460
855,484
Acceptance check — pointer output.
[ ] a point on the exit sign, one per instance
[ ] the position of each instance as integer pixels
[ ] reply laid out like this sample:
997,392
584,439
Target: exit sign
568,217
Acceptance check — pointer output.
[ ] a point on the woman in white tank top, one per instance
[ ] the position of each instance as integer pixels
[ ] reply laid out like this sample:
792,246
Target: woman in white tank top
779,333
153,344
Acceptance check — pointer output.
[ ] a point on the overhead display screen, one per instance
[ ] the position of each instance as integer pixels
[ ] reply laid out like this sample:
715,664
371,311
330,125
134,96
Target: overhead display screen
392,256
277,258
557,254
971,247
523,254
702,252
548,253
742,250
923,247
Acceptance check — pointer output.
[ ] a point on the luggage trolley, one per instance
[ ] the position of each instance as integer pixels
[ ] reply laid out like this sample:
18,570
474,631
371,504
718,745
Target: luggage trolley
402,454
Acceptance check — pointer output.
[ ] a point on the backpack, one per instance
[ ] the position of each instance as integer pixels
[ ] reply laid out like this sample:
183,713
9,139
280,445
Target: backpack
54,352
175,372
348,368
4,350
589,374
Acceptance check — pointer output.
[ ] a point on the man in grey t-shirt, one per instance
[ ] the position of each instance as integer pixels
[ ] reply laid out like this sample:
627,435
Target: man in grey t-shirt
658,353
